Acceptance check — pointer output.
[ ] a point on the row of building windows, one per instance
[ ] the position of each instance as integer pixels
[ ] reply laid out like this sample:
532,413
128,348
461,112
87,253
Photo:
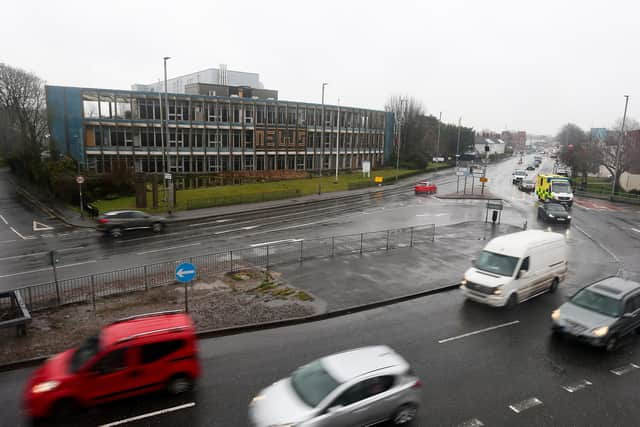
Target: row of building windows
188,164
103,106
225,139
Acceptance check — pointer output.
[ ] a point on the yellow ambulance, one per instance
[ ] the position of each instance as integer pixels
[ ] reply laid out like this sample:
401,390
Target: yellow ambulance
554,188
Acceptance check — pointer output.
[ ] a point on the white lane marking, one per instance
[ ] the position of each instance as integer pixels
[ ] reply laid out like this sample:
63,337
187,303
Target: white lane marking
167,249
21,236
290,227
150,414
473,422
624,369
468,334
571,388
525,404
39,226
23,256
217,221
255,245
607,250
440,214
4,220
8,241
636,230
48,269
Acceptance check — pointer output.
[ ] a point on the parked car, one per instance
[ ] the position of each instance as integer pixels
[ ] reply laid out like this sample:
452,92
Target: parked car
554,212
527,185
531,167
356,387
601,313
516,267
518,175
115,223
426,187
131,356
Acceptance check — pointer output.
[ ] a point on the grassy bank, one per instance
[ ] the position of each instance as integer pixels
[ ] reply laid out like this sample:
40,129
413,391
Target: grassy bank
304,187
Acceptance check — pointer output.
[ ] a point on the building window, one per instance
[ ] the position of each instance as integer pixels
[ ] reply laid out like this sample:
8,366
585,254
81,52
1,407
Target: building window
248,163
248,140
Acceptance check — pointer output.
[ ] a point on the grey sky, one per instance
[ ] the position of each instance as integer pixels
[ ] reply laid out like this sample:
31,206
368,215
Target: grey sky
528,65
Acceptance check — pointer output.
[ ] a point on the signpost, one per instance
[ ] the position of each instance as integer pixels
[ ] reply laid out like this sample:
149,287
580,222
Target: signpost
80,181
185,273
366,168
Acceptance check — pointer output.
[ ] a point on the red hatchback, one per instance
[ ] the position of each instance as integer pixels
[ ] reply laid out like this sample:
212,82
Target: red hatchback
131,356
426,187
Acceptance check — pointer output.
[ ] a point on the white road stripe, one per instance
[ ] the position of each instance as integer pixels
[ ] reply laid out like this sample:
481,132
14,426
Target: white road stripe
571,388
20,235
8,241
23,256
150,414
48,269
468,334
636,230
255,245
624,369
4,220
217,221
473,422
167,249
525,404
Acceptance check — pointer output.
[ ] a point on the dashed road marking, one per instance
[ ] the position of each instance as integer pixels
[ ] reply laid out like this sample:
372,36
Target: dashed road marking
468,334
525,404
473,422
635,229
150,414
572,388
48,269
4,220
624,369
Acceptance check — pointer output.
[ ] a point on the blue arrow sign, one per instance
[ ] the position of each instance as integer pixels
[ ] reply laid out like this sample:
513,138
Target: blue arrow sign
185,272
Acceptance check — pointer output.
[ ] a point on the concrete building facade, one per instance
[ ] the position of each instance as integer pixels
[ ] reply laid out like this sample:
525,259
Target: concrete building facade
209,134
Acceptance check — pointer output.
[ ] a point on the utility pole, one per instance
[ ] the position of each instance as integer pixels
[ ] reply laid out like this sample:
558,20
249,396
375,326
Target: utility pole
400,121
338,142
322,131
166,133
438,143
458,143
616,173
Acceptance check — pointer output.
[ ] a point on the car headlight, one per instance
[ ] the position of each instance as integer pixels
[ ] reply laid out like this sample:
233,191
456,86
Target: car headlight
600,332
45,386
551,216
555,314
568,216
258,398
498,290
463,282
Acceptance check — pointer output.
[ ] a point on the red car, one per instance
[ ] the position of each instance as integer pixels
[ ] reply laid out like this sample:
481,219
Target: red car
131,356
426,187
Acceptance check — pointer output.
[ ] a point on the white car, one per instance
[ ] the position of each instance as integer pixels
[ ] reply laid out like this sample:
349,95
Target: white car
353,388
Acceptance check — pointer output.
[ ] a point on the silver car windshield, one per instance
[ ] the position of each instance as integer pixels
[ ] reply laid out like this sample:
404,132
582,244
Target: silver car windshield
312,383
597,302
560,187
503,265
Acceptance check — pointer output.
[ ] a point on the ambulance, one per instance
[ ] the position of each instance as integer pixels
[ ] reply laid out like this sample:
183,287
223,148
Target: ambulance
554,188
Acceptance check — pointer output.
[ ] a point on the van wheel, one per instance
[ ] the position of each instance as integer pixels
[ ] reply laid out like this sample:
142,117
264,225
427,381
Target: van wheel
115,232
554,285
179,384
404,414
512,301
612,343
156,227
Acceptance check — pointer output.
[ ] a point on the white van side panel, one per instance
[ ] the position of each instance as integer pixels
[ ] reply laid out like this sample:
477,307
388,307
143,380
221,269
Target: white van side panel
546,262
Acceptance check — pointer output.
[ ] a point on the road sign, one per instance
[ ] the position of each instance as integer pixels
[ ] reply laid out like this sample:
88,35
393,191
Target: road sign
478,174
484,179
80,179
378,179
460,173
167,176
185,272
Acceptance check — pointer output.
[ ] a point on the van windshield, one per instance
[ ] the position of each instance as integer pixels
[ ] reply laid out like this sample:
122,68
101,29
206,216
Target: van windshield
560,187
503,265
84,353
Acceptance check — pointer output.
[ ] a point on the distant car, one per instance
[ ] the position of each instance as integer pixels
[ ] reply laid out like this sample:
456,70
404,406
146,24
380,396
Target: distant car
554,212
527,185
356,387
518,175
131,356
531,167
115,223
426,187
601,313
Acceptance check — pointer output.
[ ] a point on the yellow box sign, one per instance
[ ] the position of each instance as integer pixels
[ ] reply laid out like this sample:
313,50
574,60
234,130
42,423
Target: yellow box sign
378,179
484,179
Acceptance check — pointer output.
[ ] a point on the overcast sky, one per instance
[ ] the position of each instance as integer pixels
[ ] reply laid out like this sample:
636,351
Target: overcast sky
528,65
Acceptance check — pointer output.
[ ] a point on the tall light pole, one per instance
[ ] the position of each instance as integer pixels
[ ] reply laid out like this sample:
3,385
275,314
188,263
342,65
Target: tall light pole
458,143
338,142
620,142
438,142
166,133
400,121
322,131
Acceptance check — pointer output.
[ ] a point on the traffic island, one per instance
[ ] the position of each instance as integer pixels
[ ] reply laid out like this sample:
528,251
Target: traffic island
215,301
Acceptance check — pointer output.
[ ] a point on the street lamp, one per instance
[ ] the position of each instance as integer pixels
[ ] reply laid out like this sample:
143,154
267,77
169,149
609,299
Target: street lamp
400,121
458,143
620,142
438,142
322,131
166,133
338,143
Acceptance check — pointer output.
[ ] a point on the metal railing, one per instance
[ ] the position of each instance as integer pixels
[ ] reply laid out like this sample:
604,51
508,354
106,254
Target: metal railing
605,194
88,289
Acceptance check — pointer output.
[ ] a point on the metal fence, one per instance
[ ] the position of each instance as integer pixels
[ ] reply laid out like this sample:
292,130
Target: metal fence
605,194
241,198
144,277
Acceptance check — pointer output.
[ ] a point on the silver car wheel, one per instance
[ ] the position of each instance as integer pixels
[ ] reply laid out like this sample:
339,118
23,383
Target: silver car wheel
405,414
156,227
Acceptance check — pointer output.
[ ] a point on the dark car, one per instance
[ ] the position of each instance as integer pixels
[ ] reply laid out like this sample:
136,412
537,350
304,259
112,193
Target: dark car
554,212
600,314
115,223
531,167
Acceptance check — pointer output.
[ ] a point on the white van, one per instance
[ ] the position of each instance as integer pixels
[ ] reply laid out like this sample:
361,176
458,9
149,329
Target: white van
516,267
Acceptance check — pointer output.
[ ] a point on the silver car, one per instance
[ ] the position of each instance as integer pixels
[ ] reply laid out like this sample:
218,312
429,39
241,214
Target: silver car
601,314
353,388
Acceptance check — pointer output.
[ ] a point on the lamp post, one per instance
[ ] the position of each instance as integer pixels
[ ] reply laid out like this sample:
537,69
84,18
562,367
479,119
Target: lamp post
438,141
620,142
338,143
322,131
166,133
400,122
458,143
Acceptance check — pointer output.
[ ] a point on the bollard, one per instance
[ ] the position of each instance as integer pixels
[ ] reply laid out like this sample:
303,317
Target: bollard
361,238
301,257
387,239
411,239
145,281
231,256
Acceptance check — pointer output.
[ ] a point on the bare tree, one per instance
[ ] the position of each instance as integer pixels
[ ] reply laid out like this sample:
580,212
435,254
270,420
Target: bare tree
23,107
628,152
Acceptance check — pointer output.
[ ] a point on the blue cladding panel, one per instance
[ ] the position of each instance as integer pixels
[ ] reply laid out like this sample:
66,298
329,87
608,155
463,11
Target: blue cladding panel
64,113
388,136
